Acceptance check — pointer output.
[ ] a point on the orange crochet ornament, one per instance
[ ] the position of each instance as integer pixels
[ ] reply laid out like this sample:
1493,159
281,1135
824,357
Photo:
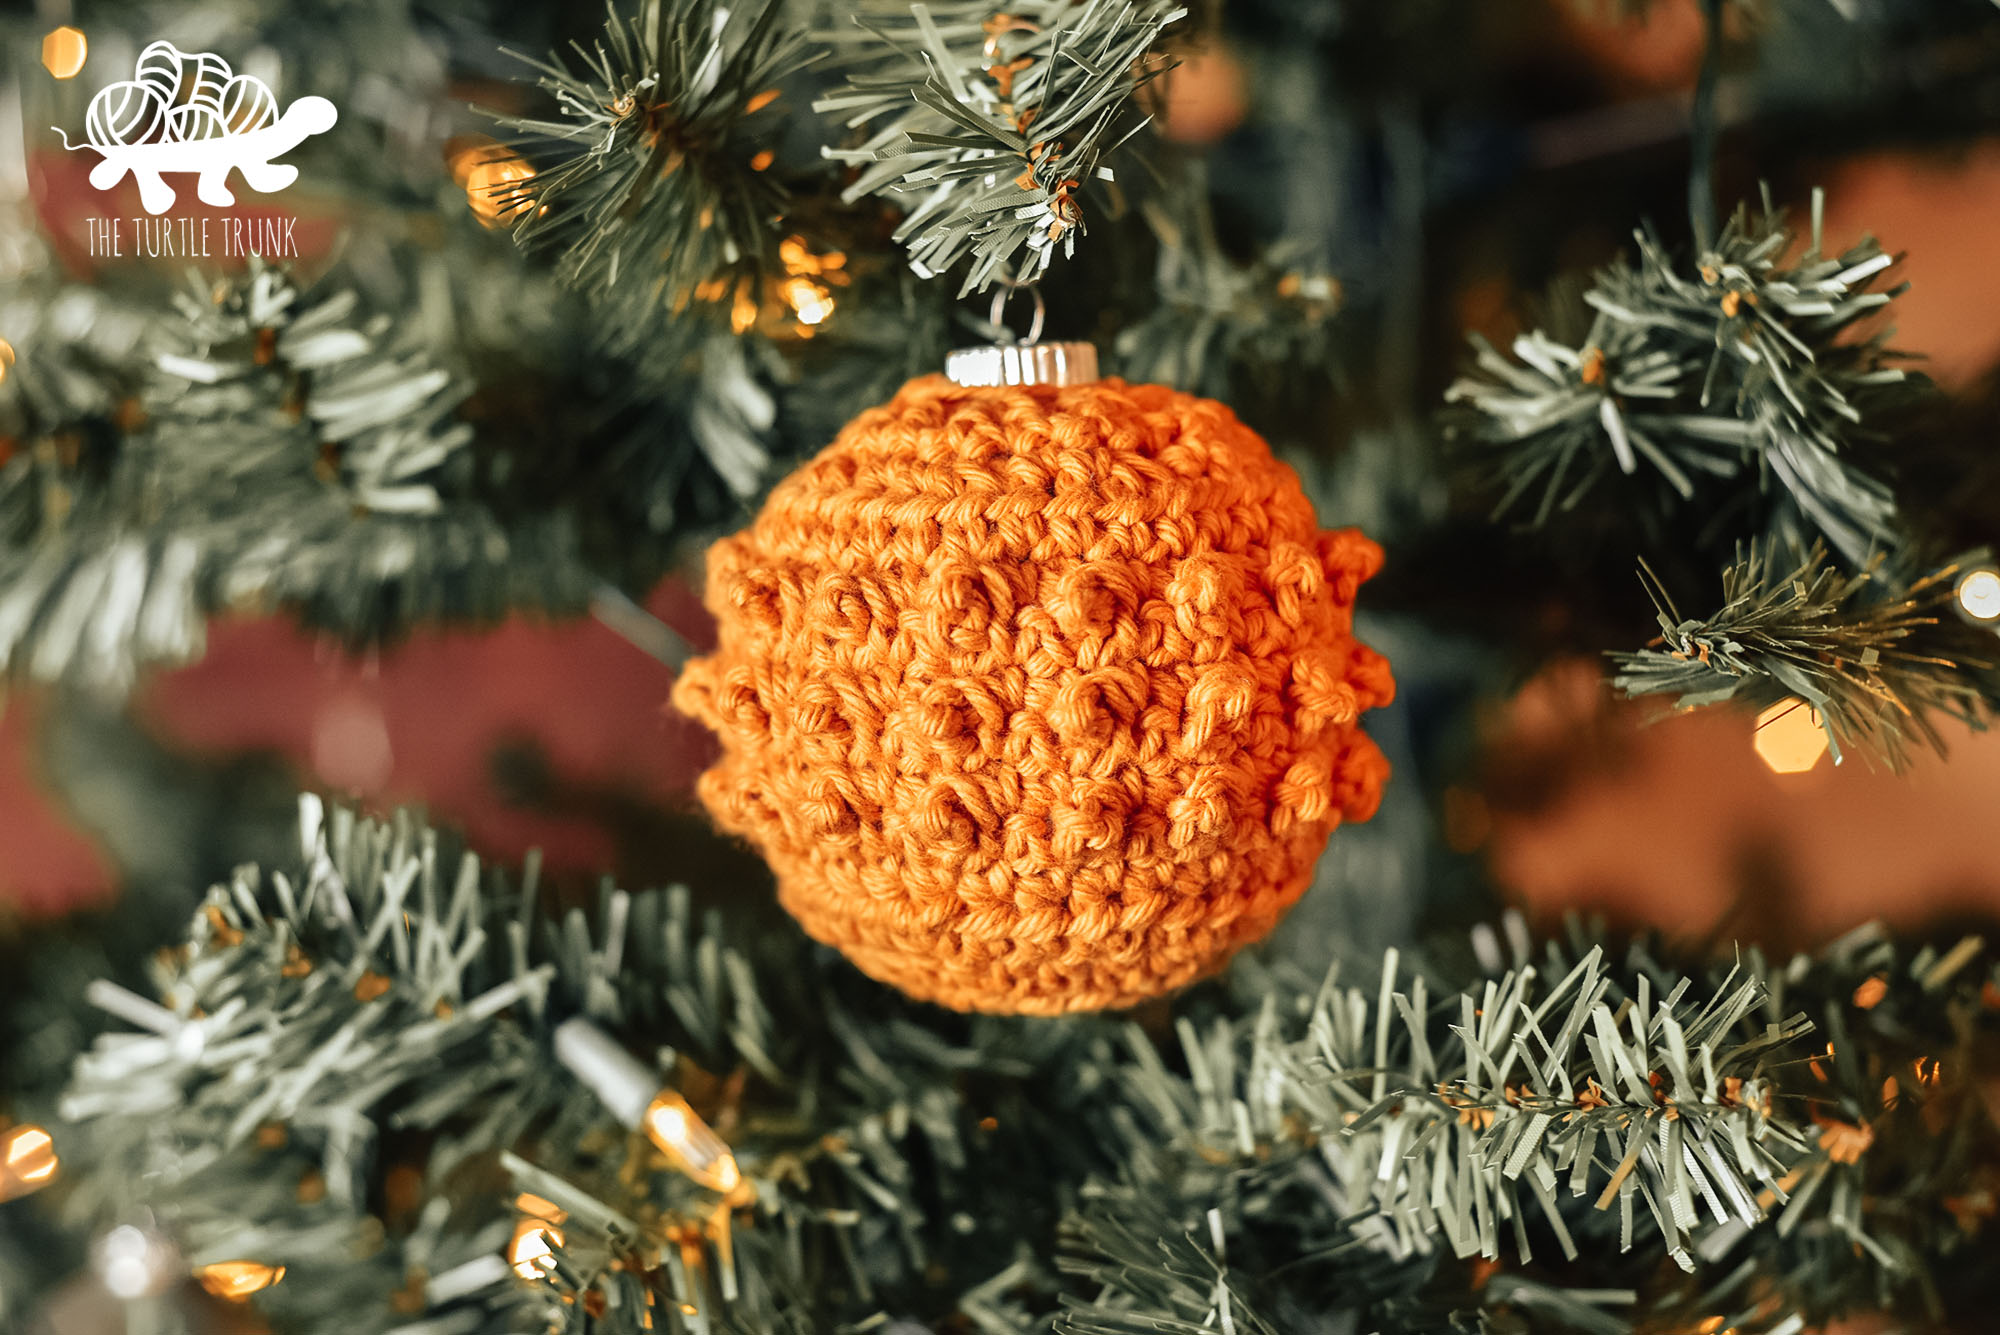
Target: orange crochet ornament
1039,699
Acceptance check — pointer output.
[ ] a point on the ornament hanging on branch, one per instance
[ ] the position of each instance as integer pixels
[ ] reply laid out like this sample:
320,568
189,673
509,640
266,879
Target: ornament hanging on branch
1039,692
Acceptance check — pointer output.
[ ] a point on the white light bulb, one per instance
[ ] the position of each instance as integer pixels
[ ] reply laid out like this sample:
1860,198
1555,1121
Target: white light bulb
1979,594
131,1263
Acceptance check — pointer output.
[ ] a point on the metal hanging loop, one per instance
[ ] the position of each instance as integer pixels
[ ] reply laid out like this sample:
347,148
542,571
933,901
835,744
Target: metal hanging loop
998,309
1027,361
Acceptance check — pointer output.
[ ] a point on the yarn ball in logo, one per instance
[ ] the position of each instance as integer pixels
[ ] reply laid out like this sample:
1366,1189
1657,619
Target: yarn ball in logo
161,67
195,121
127,112
246,104
1039,699
179,98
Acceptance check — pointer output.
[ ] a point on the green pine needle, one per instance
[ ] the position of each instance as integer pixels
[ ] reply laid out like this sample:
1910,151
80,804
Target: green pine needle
1746,368
1876,663
1013,115
662,197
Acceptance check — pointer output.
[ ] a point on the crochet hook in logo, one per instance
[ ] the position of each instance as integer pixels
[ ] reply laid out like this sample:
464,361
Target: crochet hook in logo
188,114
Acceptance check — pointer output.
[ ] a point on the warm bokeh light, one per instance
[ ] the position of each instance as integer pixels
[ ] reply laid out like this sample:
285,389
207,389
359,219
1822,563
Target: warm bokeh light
1844,1142
237,1280
1789,737
533,1240
1202,98
799,258
133,1263
351,751
742,310
27,1161
536,1234
64,51
808,300
807,289
6,358
494,177
669,1124
1979,594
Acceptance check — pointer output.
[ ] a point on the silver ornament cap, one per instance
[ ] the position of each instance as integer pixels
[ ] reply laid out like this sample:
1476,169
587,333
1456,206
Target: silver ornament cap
1026,361
1023,364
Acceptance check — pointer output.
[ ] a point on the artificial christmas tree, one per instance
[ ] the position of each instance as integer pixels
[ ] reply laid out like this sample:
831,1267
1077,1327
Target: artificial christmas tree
1040,692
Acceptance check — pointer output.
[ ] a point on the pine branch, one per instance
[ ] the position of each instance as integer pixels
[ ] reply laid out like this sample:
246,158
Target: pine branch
1152,1273
370,1016
1742,368
1527,1097
310,1018
69,394
984,127
1339,1149
666,197
1907,1159
263,348
1910,1154
661,438
1874,663
358,1047
1218,316
293,454
365,470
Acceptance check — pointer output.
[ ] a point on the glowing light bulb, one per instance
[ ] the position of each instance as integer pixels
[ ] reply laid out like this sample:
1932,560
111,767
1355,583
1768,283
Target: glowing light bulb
697,1151
494,178
27,1161
1790,738
536,1235
1979,594
133,1263
237,1280
64,51
669,1126
808,300
495,189
631,1091
531,1243
533,1240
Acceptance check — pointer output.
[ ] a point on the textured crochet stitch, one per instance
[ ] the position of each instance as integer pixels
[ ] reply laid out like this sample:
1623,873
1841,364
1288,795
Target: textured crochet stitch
1039,699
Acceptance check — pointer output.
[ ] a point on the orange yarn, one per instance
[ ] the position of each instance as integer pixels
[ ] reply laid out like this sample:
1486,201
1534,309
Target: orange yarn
1039,699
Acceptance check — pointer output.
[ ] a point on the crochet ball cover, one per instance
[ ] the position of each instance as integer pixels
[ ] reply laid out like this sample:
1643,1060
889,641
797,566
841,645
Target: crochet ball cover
1039,699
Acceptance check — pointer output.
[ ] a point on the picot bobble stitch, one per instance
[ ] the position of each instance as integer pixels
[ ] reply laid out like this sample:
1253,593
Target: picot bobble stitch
1039,699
